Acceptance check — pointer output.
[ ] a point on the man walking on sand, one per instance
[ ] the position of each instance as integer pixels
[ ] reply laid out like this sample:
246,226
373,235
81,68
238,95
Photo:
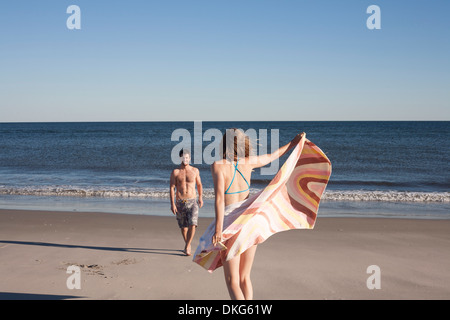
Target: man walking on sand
186,206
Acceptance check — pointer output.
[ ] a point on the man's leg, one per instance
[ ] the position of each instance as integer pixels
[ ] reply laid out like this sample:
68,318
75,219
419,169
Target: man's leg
189,237
192,218
184,233
181,218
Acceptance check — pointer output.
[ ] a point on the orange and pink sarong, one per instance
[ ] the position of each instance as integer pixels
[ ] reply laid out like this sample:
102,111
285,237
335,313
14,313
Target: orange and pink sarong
290,201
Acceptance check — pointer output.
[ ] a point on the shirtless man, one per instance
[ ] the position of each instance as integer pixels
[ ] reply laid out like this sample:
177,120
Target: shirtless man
186,206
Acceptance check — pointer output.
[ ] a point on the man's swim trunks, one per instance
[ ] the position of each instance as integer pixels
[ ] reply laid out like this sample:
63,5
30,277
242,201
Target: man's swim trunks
187,212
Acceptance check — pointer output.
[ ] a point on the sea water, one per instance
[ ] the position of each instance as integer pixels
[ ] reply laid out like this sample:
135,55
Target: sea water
388,168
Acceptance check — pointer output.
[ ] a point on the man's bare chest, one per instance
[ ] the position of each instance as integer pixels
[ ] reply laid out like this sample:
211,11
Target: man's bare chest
185,176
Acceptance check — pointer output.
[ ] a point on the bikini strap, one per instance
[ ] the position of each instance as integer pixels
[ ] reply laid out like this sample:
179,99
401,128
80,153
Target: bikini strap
234,175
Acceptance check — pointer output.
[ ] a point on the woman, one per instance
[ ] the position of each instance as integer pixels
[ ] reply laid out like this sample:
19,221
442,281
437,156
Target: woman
232,176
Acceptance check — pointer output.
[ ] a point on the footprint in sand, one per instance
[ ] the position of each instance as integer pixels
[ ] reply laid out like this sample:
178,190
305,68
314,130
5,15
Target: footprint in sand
125,262
91,269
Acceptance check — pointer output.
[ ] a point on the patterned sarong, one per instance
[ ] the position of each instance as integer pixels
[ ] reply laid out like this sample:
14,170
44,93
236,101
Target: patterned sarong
290,201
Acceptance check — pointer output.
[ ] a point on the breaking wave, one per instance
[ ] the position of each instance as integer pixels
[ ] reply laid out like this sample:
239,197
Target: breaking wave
208,193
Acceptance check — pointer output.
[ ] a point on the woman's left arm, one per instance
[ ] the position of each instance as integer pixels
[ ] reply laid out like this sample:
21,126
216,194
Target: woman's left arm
219,202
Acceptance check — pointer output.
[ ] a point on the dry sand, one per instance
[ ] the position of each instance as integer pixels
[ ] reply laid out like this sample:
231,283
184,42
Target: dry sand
139,257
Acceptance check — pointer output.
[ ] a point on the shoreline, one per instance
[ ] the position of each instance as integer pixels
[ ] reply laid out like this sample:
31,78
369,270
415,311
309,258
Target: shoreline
125,256
160,207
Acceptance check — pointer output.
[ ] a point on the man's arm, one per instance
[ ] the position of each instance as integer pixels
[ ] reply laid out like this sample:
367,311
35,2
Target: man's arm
199,189
173,207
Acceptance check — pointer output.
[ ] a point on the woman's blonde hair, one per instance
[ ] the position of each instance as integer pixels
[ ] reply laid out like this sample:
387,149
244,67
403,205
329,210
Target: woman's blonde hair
235,145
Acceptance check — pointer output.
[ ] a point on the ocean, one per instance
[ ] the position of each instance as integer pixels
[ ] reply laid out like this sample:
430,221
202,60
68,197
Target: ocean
396,169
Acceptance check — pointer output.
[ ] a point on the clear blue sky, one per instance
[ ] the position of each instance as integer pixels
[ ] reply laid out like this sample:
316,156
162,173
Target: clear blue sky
224,60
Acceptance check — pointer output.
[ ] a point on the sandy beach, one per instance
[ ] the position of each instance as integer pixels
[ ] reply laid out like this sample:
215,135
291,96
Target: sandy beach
139,257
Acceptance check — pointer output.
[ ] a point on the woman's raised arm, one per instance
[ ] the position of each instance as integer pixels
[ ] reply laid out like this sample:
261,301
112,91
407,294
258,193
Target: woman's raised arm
262,160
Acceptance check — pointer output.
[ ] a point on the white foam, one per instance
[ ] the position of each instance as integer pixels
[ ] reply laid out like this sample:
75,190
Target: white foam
208,193
386,196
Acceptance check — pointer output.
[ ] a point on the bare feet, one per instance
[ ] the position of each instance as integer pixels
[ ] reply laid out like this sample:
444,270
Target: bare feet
187,251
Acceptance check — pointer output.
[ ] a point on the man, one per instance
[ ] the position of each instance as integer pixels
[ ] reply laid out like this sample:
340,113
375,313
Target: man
184,179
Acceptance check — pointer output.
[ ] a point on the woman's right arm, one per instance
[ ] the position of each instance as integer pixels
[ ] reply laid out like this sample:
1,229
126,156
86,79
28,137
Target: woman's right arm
261,161
219,202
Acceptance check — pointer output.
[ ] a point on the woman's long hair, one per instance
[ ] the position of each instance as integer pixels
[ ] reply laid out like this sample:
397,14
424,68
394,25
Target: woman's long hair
235,145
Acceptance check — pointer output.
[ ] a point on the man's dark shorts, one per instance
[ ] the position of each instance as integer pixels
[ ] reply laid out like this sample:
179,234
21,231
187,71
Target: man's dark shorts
187,214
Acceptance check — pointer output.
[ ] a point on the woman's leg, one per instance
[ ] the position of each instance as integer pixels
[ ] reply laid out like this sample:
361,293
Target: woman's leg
245,267
231,272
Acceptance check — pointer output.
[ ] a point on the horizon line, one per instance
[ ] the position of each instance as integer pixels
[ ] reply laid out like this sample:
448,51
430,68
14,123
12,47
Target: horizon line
144,121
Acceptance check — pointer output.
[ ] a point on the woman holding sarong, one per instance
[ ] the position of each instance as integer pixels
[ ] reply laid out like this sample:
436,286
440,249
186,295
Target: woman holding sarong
232,179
